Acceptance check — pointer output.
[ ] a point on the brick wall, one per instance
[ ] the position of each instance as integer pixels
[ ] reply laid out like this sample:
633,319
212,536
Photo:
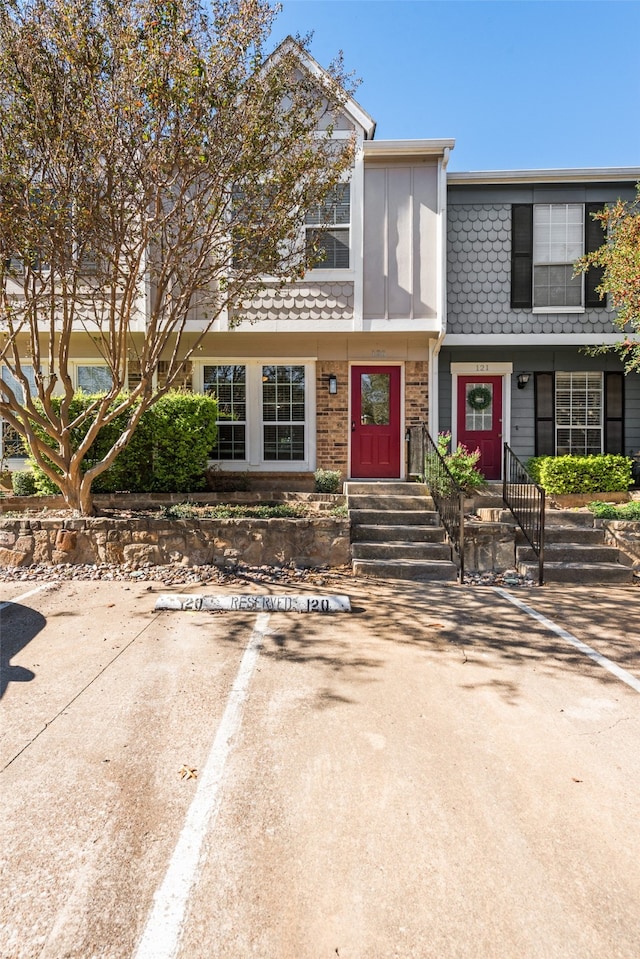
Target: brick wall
332,413
416,393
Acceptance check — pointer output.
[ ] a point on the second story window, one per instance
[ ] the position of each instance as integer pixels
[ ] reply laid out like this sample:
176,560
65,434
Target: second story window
546,241
334,216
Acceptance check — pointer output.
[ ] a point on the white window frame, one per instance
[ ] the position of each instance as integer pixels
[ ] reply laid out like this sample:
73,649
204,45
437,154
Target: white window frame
254,423
334,272
546,260
77,365
574,409
14,461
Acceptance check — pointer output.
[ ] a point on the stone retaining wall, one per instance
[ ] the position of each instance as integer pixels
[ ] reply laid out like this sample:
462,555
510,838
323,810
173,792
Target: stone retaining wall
309,542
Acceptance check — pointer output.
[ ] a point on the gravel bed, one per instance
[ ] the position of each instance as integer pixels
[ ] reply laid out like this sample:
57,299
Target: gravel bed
176,575
237,575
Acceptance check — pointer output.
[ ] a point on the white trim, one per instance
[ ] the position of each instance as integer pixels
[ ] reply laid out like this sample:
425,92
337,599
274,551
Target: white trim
382,362
503,370
595,174
410,148
558,309
405,325
522,339
254,421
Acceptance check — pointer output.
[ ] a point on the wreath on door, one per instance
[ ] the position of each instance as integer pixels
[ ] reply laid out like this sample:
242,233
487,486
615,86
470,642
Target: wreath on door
479,398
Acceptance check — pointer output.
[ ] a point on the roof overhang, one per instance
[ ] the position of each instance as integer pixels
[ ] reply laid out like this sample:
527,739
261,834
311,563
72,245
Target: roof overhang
406,148
583,175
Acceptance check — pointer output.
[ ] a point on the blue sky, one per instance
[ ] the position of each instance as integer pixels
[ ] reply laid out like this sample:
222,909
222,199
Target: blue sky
519,84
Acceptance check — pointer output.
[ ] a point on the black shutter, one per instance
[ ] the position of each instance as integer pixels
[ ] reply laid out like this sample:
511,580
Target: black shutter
594,237
614,412
522,255
545,414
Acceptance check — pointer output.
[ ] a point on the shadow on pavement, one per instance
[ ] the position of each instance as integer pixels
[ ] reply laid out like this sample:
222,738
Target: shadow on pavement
18,625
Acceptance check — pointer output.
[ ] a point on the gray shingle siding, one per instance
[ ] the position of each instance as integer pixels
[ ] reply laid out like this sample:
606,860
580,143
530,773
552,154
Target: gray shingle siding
479,279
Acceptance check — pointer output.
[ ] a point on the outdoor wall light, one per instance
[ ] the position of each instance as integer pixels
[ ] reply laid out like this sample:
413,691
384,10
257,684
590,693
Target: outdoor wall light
333,383
523,379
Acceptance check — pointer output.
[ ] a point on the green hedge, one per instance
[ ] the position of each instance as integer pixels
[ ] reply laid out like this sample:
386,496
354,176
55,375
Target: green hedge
582,474
168,452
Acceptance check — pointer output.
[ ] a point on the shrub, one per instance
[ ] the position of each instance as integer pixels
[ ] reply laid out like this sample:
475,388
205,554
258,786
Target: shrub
533,466
607,473
167,453
23,483
327,481
461,463
240,511
628,511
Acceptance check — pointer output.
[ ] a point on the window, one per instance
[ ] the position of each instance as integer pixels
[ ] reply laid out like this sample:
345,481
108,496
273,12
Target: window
558,241
546,241
265,412
579,413
11,441
93,378
334,216
283,412
229,384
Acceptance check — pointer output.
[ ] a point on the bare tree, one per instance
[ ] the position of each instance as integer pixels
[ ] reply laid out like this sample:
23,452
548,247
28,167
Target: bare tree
155,164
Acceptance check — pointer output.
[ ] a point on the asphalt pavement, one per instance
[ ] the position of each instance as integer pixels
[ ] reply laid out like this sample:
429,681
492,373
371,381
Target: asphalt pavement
438,773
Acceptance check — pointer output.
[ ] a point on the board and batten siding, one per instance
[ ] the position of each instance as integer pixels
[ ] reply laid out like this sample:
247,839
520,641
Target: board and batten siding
401,225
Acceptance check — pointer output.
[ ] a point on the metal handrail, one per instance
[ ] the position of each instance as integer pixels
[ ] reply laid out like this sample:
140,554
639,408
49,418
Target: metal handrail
426,462
526,500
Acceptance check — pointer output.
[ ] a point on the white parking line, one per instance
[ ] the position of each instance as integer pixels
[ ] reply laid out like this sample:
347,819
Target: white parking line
162,933
593,654
31,592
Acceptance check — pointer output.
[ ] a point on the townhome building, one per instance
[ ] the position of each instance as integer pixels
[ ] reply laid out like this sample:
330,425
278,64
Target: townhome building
443,298
516,363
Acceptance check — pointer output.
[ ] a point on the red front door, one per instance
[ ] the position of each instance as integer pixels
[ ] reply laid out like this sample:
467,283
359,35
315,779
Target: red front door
480,420
375,422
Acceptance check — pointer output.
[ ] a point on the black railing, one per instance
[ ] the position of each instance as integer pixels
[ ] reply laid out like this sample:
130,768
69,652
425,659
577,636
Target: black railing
425,462
526,501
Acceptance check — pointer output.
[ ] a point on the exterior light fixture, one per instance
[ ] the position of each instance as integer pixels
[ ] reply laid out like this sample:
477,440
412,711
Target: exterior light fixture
333,383
523,379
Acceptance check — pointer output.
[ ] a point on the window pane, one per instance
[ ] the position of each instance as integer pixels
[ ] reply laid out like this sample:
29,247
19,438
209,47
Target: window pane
283,402
374,399
334,210
94,379
478,406
579,413
283,442
16,385
556,286
229,384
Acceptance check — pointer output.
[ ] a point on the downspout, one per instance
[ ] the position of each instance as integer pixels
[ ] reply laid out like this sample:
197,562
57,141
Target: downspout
435,347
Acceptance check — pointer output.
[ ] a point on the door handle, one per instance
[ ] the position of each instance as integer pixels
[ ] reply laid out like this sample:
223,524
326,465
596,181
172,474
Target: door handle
353,426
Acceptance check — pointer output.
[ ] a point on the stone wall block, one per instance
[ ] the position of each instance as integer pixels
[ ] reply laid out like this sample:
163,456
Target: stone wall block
13,557
139,554
41,546
7,538
66,540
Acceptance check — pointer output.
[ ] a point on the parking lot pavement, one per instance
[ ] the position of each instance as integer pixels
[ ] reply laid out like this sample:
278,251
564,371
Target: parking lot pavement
435,774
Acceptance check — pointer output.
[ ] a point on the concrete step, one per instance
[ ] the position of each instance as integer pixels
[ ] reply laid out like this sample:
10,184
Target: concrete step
393,551
573,553
381,517
416,570
389,503
568,534
568,517
581,574
373,533
385,488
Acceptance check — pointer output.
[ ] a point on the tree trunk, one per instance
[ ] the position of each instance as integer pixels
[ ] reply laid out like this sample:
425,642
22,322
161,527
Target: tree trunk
77,495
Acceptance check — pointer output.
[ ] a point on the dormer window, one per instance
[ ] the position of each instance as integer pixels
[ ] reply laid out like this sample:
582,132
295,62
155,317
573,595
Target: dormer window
334,216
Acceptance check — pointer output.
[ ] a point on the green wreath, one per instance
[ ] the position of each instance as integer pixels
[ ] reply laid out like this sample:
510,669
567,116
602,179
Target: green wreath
479,398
